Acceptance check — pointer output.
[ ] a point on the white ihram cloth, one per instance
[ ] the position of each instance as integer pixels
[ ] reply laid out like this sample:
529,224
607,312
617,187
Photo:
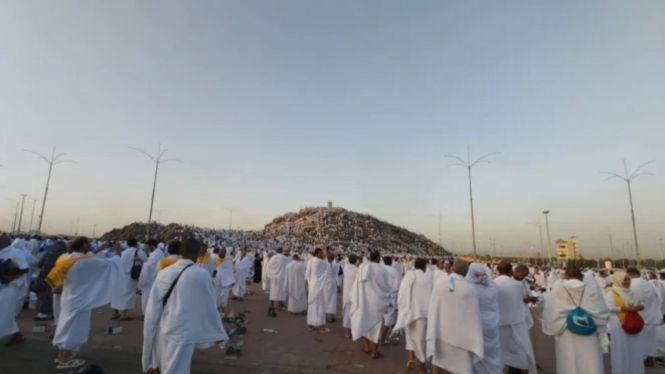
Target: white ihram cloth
540,280
576,354
32,262
243,266
434,273
647,295
488,303
551,279
350,273
188,320
340,277
223,282
295,287
330,290
86,287
210,265
660,339
265,282
147,277
276,273
413,304
125,292
316,274
395,282
514,325
660,290
11,294
626,351
661,284
454,328
370,300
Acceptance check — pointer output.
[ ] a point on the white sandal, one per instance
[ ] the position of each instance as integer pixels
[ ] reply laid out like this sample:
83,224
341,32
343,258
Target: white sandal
71,364
73,356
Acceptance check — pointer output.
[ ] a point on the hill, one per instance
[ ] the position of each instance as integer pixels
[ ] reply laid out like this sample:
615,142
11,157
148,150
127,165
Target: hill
339,228
343,228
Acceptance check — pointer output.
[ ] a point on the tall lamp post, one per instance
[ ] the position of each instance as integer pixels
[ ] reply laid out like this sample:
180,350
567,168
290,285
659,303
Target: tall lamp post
15,217
20,218
540,231
629,178
32,215
54,160
549,240
469,165
158,161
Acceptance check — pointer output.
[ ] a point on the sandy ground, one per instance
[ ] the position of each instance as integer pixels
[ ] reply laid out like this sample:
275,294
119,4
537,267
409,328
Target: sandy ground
293,349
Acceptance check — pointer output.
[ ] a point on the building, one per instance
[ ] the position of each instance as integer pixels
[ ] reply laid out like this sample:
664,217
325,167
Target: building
567,250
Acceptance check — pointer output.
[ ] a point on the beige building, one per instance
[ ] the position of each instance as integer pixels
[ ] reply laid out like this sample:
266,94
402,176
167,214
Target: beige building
567,250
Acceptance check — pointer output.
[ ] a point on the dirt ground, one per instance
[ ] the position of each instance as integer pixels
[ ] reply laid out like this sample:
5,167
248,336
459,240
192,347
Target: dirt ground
292,349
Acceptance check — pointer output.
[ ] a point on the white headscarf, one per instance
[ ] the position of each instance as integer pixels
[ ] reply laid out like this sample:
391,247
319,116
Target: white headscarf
625,293
478,275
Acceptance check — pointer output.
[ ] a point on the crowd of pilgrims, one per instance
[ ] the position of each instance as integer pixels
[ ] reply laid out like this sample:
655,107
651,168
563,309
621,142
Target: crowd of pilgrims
453,315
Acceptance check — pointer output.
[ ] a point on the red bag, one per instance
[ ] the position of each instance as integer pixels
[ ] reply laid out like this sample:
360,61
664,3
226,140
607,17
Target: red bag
633,323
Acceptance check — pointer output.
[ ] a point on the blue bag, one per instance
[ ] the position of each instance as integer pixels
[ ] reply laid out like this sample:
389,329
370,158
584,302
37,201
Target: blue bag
578,320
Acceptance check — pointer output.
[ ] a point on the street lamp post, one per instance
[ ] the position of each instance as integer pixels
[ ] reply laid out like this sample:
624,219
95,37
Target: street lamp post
32,215
469,165
54,160
20,218
230,217
15,218
629,178
158,161
549,240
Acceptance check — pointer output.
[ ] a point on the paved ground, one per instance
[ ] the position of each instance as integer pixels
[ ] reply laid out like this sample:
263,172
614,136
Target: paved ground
293,349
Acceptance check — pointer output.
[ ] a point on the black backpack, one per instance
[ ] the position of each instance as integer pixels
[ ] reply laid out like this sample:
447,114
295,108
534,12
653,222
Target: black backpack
135,273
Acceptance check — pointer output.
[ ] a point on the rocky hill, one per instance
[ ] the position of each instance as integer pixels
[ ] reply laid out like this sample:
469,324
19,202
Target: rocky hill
338,228
343,229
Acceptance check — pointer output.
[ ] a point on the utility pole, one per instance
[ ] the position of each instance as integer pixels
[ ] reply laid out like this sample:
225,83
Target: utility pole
611,249
94,228
629,178
78,221
20,218
440,242
15,218
158,161
230,217
469,165
549,240
32,216
54,160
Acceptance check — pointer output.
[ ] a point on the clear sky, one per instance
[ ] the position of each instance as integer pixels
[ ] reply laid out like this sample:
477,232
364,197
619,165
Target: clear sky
276,105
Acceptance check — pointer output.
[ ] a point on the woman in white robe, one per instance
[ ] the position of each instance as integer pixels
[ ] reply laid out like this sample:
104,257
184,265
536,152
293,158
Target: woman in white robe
489,313
626,351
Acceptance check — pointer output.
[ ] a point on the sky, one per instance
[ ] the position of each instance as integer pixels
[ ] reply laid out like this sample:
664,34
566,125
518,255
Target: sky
276,105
